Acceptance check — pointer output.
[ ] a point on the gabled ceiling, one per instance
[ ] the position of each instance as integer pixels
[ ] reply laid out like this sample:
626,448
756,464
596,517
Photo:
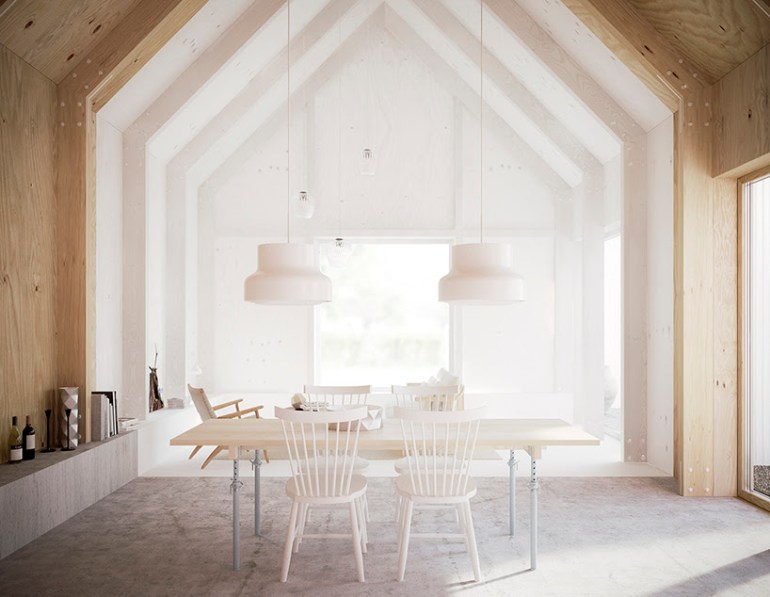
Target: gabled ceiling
248,81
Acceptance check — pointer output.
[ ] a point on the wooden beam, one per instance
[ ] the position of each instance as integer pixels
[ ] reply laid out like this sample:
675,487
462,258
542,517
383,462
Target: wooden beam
567,69
88,87
510,86
145,31
641,48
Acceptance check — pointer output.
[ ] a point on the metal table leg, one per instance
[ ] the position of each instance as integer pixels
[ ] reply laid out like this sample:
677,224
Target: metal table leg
256,464
235,487
534,485
512,464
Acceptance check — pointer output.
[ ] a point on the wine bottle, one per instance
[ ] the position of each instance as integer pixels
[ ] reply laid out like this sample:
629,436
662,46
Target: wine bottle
14,441
28,440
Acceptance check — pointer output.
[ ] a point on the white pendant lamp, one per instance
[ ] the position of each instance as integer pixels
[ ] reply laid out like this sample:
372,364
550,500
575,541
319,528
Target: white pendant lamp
287,273
481,273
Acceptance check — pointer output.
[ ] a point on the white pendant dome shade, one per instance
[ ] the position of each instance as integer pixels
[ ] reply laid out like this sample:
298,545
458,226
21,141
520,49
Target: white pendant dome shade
287,275
481,274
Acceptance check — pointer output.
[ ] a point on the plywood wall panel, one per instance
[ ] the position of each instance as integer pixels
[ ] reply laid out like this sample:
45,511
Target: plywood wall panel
27,249
714,35
744,123
55,36
725,336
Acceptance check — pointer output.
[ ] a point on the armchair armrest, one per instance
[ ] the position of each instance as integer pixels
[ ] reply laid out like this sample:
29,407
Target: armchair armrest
226,404
240,413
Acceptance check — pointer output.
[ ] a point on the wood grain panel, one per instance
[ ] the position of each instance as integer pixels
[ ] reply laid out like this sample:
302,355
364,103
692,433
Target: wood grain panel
113,62
715,36
641,48
693,240
27,249
725,336
744,125
55,36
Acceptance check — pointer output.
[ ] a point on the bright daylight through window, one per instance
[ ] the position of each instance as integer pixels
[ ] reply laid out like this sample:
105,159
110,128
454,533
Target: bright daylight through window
384,325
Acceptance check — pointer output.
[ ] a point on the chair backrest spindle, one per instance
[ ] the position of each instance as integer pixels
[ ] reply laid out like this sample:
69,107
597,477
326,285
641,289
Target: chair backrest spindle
439,446
322,447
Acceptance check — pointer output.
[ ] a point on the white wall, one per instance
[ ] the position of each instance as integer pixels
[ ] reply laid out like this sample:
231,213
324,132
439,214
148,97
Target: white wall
109,258
660,297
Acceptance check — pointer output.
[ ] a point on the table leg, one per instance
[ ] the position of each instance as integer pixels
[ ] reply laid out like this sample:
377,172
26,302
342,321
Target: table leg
534,485
235,487
256,464
512,463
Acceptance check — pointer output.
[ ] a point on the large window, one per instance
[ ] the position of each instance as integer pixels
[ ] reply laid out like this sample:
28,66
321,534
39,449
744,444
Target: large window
755,331
385,325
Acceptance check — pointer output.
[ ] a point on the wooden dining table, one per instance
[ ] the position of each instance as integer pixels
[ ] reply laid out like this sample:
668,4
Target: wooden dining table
509,435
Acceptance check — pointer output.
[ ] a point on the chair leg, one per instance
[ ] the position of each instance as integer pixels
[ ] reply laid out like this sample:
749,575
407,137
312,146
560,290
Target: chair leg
211,457
403,543
460,516
360,505
194,452
357,542
290,534
471,541
304,512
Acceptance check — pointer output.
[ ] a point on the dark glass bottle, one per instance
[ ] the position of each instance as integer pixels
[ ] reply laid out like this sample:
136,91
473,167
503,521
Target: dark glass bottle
28,440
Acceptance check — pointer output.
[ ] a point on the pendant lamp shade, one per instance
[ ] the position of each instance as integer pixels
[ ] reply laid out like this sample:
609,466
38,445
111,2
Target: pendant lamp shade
481,274
287,275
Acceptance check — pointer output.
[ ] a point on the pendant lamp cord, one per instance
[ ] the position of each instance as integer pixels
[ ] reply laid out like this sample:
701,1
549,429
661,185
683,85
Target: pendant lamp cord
288,121
481,121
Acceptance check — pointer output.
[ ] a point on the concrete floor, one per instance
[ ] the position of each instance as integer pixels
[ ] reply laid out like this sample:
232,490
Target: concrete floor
598,536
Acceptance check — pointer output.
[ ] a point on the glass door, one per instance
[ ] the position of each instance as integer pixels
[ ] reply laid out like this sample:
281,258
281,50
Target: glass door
755,340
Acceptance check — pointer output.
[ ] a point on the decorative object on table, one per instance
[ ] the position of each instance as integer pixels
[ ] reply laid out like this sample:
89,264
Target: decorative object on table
14,441
100,416
68,446
28,441
68,400
48,432
156,402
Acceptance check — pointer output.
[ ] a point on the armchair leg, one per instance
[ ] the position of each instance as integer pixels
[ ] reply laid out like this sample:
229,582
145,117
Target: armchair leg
194,452
211,457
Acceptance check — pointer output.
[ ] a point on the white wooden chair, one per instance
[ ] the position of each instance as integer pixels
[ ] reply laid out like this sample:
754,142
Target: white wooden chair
427,397
338,395
439,446
322,447
207,411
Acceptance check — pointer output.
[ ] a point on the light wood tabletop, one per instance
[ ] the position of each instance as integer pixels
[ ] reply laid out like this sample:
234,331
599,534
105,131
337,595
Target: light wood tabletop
495,434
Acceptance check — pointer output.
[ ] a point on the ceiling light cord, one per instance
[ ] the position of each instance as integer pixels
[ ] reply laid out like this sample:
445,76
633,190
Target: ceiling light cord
288,121
481,121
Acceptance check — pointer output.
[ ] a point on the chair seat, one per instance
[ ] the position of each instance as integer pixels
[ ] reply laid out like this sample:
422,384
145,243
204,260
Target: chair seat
404,489
357,489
